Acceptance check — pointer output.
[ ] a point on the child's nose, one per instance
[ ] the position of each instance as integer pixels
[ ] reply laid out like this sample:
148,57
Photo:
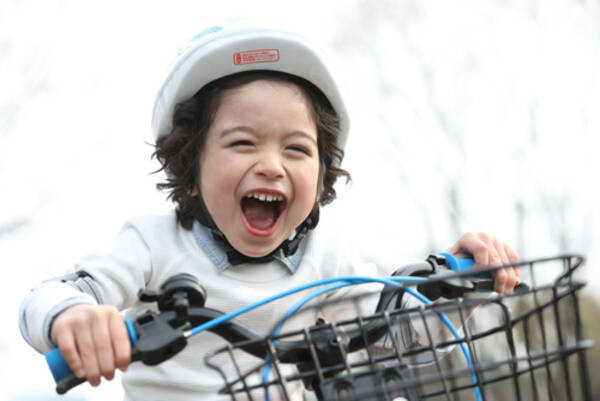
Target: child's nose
270,166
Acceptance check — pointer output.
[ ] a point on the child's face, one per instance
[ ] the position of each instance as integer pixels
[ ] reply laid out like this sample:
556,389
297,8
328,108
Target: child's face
259,167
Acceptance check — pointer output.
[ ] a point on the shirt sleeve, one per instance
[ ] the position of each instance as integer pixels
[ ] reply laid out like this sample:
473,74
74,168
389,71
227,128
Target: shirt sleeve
112,277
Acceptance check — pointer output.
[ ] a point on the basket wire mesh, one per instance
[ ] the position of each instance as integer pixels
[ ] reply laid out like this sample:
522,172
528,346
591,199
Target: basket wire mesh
528,345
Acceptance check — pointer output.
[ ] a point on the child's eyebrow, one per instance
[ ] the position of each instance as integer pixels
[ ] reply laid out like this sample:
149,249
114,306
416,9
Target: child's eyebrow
243,128
304,135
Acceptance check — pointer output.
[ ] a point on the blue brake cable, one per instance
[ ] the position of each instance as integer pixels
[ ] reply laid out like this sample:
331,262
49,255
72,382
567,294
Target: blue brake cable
347,280
363,280
226,317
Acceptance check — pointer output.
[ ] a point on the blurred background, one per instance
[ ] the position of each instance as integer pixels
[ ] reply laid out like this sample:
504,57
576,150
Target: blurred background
466,116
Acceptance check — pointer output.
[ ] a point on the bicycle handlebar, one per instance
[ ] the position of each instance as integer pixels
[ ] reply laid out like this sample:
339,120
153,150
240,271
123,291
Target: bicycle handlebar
156,337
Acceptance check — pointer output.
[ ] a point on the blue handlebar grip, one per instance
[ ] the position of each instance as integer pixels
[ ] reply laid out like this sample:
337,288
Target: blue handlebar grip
63,375
463,264
57,364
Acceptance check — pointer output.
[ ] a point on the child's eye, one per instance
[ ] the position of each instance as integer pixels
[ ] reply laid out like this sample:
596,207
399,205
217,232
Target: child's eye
299,149
240,143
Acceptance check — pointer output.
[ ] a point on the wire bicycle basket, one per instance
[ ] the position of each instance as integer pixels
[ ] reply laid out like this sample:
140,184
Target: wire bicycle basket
528,345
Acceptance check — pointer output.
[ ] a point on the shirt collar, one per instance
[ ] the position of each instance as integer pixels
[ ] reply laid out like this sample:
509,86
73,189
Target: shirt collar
217,253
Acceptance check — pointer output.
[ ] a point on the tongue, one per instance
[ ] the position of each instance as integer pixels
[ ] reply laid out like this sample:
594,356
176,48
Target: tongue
259,214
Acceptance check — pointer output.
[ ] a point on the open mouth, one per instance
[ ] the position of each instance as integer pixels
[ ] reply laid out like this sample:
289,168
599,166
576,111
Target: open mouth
262,210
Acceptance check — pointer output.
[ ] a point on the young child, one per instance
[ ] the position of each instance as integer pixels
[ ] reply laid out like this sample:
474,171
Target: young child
250,129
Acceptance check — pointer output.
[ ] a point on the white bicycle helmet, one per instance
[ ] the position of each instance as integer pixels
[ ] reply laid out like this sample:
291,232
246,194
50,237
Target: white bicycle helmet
242,46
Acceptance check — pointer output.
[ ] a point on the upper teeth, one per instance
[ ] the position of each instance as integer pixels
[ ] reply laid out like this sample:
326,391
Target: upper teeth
264,197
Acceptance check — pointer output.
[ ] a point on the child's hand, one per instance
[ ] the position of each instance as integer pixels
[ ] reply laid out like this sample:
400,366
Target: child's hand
487,250
93,340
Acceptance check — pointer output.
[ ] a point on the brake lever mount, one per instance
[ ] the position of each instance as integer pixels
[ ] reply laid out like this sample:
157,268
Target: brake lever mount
160,334
449,286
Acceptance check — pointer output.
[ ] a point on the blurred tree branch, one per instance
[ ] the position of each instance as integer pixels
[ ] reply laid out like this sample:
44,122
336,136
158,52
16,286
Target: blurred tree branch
13,226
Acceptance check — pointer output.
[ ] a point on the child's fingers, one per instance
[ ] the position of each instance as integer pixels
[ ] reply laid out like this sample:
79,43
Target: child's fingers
513,257
68,349
87,352
495,256
487,250
120,342
500,280
93,341
506,278
503,277
471,244
104,349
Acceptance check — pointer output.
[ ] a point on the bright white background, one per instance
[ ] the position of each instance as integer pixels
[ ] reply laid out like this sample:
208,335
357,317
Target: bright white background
466,116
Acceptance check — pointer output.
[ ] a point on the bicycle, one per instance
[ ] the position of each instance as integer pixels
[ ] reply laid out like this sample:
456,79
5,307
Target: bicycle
366,357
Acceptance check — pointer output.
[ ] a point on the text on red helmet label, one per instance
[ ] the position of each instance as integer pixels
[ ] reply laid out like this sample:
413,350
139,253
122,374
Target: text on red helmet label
256,56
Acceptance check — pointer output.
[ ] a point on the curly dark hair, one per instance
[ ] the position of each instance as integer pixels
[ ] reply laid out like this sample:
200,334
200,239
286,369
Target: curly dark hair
179,151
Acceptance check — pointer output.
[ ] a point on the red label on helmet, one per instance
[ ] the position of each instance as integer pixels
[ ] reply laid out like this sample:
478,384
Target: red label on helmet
256,56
